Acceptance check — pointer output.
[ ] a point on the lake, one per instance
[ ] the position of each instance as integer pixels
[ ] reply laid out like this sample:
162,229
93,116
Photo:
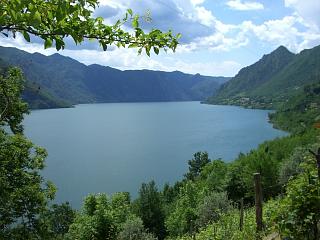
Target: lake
116,146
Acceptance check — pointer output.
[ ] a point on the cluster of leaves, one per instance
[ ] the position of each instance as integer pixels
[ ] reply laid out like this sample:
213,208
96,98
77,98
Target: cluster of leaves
24,193
297,215
12,107
55,20
227,227
109,218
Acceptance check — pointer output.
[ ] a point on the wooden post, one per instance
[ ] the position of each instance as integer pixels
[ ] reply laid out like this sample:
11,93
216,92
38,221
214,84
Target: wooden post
241,214
258,200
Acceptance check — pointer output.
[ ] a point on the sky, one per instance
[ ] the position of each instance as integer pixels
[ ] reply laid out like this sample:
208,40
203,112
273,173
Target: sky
219,37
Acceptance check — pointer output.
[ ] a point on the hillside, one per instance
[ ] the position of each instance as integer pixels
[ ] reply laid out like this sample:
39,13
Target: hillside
69,80
36,97
272,80
300,112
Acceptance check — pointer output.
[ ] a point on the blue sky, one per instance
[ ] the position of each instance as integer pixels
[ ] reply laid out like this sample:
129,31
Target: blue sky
219,36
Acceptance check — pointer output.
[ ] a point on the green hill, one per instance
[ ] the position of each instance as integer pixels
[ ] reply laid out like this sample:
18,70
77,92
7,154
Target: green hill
272,80
36,97
300,112
68,80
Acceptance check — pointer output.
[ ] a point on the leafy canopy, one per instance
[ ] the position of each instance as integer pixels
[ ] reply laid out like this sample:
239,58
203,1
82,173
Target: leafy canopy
55,20
12,107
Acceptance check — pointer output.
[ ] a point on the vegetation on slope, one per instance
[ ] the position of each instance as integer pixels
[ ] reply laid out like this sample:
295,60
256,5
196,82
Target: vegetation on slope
34,95
299,112
272,80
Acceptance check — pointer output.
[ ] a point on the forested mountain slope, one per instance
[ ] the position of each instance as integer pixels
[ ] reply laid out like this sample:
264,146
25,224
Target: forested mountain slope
69,80
36,97
271,80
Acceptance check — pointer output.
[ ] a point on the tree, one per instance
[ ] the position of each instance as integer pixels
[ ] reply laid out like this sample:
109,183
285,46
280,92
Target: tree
298,214
212,207
58,218
12,108
182,218
24,194
55,20
200,159
96,220
215,175
133,229
150,209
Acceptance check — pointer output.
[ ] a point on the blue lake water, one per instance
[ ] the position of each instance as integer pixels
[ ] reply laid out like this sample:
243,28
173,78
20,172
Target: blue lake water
116,146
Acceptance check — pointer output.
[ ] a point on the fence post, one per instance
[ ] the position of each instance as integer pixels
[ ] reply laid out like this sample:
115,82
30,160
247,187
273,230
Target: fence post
258,200
241,214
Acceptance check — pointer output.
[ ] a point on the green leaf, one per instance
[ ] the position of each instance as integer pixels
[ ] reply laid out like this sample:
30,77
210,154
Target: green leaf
133,45
156,50
148,51
59,44
135,21
26,36
37,17
130,11
47,43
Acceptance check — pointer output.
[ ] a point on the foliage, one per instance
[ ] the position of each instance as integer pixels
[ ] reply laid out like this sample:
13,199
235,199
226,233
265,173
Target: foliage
215,175
227,227
12,107
133,229
212,207
290,167
271,81
101,217
267,160
183,217
24,193
200,159
298,213
55,20
149,208
58,218
300,112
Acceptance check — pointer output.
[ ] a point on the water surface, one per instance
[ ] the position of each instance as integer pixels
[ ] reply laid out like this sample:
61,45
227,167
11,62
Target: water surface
115,147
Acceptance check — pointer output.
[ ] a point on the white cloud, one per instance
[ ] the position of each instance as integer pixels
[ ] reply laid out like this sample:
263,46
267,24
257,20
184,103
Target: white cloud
309,10
291,31
285,32
197,2
213,68
244,6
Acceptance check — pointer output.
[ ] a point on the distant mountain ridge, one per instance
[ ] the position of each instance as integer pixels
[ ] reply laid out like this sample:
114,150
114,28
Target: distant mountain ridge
272,80
69,81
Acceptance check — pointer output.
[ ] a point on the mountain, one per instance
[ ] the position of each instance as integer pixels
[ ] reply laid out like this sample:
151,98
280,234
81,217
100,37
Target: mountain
36,97
272,80
68,80
300,112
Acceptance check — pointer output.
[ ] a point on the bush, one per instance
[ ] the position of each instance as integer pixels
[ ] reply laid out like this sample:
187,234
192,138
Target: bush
133,229
298,213
212,207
